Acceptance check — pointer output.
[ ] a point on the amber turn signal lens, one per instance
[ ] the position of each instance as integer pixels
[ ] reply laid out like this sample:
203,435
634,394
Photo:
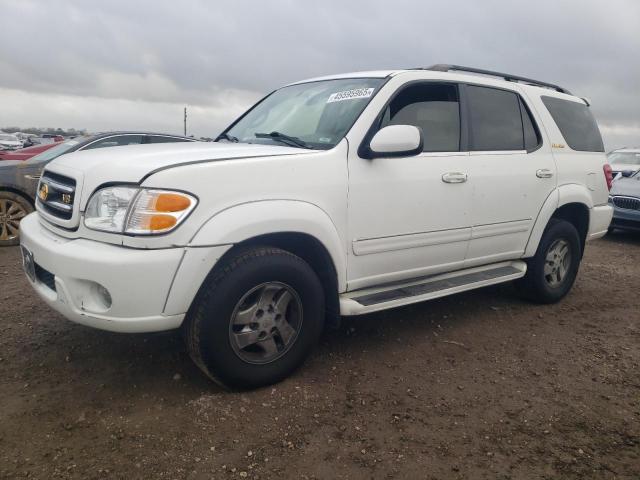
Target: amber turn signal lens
161,222
171,202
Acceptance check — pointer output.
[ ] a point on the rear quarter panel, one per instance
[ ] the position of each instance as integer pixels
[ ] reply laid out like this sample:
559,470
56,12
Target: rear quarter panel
574,167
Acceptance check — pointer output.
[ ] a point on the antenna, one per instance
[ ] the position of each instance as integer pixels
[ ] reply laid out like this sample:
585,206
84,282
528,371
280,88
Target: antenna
185,121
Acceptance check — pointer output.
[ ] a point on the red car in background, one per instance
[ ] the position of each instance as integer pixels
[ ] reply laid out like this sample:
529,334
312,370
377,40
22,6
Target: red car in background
26,153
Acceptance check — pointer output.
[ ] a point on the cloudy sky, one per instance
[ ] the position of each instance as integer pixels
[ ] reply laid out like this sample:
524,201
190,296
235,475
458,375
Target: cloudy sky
113,64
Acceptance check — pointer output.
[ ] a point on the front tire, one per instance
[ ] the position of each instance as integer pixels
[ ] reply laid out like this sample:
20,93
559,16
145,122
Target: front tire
553,269
256,318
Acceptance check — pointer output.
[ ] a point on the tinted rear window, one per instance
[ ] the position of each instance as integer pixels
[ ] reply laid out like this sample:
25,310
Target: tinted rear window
576,123
495,120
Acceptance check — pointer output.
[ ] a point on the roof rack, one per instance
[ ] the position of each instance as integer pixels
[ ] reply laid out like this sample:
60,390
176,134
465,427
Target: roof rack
443,67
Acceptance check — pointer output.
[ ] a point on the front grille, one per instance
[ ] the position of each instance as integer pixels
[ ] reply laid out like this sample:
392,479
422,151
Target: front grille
628,203
45,277
56,194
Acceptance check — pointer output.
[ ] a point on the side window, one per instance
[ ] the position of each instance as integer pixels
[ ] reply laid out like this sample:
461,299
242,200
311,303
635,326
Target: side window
495,121
576,123
435,108
163,139
116,141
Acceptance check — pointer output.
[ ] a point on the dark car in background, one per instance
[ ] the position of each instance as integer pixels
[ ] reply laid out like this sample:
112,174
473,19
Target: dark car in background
625,198
19,179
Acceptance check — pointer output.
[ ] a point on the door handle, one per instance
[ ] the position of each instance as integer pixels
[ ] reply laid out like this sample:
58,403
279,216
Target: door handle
454,177
544,173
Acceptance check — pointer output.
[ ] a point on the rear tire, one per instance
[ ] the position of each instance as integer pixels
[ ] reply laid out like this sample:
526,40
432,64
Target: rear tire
552,271
13,208
256,318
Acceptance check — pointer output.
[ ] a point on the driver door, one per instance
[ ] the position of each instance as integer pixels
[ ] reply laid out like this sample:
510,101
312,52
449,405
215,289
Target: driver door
410,216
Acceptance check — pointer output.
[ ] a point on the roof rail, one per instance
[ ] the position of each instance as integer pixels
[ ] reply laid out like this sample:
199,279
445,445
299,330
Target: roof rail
443,67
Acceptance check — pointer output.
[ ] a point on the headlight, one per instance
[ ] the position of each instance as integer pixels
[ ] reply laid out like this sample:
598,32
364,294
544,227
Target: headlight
138,211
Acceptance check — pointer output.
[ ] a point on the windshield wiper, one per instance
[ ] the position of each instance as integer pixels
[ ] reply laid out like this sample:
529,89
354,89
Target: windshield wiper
226,136
283,138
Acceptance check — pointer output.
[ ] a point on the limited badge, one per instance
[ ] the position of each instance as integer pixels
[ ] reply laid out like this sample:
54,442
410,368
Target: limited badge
43,192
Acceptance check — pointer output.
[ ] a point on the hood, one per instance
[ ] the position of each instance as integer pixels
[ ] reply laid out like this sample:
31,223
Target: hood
132,163
626,186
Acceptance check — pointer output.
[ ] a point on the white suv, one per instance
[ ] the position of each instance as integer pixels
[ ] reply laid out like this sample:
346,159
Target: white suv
340,195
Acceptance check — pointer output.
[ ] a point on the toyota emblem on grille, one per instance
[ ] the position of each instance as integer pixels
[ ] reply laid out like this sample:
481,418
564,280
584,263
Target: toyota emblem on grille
43,192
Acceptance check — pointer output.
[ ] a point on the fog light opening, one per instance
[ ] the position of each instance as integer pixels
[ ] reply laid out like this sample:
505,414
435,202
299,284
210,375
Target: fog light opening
101,297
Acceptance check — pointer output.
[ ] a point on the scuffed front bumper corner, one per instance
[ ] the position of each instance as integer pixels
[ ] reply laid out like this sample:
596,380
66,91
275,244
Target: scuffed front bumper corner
70,272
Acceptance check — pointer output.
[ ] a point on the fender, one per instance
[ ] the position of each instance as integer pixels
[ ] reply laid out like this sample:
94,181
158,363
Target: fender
243,222
248,220
564,194
19,189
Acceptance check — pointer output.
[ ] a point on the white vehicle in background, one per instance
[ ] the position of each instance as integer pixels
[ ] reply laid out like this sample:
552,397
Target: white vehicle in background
9,141
25,138
624,161
340,195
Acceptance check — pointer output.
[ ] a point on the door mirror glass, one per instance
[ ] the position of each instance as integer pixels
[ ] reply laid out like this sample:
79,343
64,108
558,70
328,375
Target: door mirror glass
396,141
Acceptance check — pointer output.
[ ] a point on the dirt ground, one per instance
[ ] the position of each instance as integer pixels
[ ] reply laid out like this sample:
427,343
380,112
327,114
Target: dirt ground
480,385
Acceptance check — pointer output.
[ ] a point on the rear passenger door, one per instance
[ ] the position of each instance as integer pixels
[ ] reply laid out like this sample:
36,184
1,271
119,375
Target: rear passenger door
511,169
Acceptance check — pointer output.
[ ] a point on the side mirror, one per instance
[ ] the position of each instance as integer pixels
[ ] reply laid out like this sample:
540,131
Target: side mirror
396,141
627,173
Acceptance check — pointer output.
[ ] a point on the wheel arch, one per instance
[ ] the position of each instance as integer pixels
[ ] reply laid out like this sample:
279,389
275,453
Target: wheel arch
295,226
572,203
312,251
578,215
19,192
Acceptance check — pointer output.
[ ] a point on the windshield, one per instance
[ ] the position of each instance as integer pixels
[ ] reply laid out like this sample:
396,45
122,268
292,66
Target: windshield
9,137
309,115
624,158
56,151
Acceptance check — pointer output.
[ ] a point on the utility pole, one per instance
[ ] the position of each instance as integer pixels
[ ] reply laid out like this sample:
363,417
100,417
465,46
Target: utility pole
185,121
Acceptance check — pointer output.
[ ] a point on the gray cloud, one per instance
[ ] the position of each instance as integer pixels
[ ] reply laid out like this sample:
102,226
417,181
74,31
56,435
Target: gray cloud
121,58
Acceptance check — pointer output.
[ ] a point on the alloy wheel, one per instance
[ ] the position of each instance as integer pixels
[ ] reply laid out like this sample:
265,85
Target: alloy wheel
11,213
265,322
557,262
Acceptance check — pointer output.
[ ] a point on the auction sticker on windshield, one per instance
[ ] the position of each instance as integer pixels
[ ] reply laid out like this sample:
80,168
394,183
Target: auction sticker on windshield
350,94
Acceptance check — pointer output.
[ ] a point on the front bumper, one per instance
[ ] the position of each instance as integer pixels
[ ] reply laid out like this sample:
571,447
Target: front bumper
626,219
70,273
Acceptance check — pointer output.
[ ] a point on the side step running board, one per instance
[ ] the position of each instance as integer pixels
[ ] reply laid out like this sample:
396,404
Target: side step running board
417,290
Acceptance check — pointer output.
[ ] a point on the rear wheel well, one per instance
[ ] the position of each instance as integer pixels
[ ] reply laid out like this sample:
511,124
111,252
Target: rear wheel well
578,215
312,251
